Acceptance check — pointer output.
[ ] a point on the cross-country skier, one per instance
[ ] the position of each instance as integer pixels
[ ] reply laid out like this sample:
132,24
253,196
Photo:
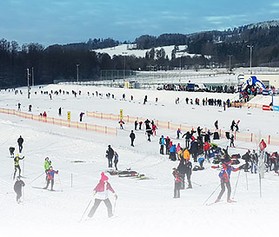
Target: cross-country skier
101,194
16,163
50,178
224,176
19,184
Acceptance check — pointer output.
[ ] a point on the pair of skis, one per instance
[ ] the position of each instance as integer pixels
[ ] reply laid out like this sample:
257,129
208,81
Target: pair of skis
212,203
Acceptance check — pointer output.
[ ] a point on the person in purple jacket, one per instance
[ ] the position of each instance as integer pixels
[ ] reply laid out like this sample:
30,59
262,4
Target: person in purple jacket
101,194
50,177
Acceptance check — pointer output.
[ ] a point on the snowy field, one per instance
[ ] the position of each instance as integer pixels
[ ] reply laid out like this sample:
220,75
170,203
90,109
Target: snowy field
144,207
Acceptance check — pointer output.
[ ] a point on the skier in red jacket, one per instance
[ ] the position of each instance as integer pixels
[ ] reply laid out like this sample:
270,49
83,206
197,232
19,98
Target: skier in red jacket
50,177
101,194
224,176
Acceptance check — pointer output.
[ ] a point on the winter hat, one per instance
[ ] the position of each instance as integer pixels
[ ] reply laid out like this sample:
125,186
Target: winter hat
103,177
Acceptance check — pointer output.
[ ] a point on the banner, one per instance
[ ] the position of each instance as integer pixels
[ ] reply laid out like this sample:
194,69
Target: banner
69,115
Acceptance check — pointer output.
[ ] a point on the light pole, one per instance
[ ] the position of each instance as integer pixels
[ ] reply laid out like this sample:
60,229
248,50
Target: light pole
230,63
182,55
124,54
77,72
251,49
32,74
28,83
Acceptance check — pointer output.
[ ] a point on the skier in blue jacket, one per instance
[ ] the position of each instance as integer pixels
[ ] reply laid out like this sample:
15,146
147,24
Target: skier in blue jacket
224,176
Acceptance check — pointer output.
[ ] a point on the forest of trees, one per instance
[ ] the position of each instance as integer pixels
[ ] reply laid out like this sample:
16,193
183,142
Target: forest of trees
60,62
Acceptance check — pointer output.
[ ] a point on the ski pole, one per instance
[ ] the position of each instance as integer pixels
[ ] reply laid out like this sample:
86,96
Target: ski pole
37,178
246,181
260,181
85,210
60,182
196,184
114,206
236,185
211,194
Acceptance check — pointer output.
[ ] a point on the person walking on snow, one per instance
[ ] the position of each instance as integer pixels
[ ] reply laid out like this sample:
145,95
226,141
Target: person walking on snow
16,163
115,161
81,116
216,125
19,184
121,123
188,170
109,155
224,176
178,132
162,143
20,141
232,140
132,137
101,194
50,178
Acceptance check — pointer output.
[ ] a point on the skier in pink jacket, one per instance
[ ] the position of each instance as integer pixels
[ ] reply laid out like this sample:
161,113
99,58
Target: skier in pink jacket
101,194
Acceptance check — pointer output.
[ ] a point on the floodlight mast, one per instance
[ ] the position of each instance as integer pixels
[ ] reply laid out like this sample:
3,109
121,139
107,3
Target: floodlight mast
251,50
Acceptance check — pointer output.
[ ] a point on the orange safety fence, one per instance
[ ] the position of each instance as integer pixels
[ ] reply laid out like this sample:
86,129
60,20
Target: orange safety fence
61,122
245,137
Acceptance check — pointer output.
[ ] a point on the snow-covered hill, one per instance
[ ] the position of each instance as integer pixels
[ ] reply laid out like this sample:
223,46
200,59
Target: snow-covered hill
126,50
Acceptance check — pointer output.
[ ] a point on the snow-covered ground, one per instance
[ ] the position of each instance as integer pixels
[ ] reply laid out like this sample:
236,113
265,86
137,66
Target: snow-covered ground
144,207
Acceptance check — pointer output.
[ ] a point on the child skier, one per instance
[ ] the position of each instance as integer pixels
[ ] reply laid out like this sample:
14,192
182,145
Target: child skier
50,177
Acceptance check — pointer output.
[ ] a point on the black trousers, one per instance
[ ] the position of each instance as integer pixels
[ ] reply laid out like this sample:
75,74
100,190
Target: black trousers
97,203
110,162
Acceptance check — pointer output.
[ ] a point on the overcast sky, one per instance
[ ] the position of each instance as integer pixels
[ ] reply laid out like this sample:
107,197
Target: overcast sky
69,21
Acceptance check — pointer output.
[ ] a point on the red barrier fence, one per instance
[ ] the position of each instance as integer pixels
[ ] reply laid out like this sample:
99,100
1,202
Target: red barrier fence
62,122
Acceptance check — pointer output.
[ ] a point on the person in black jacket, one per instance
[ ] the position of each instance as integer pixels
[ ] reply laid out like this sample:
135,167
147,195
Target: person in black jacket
20,141
194,150
188,170
109,155
181,168
247,158
132,137
19,184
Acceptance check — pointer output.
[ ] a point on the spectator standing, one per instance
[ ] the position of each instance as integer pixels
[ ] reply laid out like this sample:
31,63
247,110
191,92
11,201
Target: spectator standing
132,137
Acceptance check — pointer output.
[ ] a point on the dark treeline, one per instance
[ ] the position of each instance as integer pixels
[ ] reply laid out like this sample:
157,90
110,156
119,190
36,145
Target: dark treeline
60,62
